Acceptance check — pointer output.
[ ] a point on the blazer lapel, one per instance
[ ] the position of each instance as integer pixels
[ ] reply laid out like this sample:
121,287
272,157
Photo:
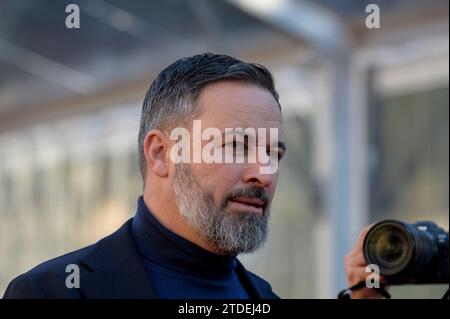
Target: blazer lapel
113,269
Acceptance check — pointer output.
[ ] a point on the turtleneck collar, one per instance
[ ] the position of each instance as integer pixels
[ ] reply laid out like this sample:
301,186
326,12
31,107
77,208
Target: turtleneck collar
164,247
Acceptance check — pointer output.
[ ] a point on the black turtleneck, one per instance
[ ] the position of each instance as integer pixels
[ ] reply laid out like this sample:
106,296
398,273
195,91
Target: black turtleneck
178,268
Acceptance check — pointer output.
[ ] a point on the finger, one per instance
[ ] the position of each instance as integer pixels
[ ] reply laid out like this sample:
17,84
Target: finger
356,250
355,275
356,260
362,235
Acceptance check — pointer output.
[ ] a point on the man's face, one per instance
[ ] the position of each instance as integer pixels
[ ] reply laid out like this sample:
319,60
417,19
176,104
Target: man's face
228,204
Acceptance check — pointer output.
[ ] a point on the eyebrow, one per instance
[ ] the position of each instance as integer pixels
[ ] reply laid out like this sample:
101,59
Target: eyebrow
281,144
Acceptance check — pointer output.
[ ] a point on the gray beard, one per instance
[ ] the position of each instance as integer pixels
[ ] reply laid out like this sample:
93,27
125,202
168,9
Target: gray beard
226,233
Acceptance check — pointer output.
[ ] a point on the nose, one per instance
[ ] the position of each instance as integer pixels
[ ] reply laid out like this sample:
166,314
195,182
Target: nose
252,174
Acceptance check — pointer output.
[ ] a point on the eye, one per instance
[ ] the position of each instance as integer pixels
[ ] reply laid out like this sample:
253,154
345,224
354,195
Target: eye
236,144
239,146
279,152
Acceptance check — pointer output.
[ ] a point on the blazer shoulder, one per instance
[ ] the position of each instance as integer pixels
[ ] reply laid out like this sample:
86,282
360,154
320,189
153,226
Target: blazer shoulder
41,280
48,279
23,287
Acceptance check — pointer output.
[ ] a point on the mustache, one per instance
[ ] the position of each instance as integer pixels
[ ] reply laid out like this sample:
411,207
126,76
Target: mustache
250,192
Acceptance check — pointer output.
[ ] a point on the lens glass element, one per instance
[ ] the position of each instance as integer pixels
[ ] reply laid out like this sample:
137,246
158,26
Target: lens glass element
389,247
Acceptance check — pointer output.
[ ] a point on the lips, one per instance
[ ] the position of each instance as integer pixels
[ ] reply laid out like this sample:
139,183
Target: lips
250,201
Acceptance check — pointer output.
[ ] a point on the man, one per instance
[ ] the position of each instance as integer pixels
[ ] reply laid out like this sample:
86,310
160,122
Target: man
194,217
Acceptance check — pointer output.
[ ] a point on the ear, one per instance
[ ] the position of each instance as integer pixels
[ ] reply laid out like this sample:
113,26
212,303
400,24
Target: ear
156,147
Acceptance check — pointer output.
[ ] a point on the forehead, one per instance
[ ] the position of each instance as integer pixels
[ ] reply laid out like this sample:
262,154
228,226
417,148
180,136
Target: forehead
238,104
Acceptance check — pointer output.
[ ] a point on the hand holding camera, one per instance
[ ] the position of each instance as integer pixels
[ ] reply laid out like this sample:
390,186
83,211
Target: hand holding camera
404,254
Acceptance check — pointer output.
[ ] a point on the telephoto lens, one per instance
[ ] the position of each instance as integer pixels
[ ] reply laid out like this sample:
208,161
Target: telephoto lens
408,253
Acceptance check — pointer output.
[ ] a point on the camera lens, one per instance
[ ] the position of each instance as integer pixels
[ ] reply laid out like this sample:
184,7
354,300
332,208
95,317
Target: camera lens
408,253
390,246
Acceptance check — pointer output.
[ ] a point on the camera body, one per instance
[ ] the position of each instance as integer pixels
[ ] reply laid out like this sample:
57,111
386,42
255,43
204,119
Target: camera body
408,253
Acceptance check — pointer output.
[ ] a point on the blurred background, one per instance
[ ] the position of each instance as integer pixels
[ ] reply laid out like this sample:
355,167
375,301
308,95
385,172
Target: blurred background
366,114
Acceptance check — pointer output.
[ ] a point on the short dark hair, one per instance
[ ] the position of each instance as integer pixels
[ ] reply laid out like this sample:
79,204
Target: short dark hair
172,95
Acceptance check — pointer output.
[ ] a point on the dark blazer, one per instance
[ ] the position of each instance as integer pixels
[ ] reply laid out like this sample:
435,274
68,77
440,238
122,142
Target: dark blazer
110,268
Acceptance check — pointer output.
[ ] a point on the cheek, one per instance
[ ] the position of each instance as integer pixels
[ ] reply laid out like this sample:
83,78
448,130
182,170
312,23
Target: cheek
220,179
216,176
271,190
